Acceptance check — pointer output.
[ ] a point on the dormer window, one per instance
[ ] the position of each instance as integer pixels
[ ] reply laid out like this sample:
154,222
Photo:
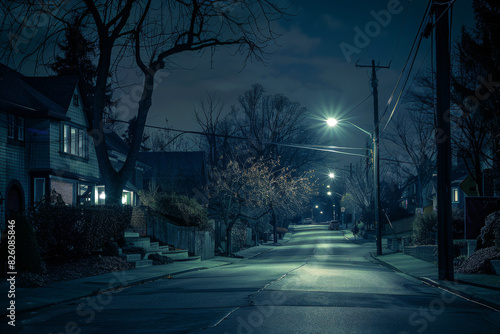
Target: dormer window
76,101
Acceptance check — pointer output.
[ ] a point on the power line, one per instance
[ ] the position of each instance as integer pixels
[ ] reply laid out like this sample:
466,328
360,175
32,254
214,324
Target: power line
417,42
357,106
418,36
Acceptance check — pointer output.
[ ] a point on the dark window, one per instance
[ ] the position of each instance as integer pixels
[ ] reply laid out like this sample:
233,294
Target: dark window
11,127
39,192
15,127
20,128
76,101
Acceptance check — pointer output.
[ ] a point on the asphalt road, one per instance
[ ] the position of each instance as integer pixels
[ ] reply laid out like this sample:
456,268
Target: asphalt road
318,282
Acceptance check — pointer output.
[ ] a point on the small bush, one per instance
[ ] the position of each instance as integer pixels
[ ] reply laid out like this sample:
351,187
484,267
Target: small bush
424,229
458,246
488,237
479,262
66,232
180,209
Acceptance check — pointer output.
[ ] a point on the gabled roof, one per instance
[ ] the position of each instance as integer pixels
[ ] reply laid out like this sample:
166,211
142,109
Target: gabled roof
58,89
17,92
115,143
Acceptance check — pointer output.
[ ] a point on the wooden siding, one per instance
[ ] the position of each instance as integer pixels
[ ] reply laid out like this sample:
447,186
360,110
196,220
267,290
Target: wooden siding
13,166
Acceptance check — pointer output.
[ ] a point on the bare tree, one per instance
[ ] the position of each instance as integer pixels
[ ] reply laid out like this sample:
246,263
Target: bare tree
359,192
268,121
209,116
149,32
256,189
414,135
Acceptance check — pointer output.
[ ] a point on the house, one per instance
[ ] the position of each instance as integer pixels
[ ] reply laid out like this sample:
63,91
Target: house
45,144
44,141
180,172
117,152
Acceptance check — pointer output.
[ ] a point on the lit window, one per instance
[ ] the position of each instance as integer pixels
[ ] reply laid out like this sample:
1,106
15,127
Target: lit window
75,141
455,198
67,139
80,143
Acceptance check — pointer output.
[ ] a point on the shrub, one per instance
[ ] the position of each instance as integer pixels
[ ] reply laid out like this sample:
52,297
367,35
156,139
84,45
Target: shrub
479,262
424,228
27,254
490,232
459,247
70,232
180,209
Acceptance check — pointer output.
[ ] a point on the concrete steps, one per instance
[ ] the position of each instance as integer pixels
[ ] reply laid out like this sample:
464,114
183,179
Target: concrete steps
133,239
176,254
131,257
143,263
129,234
142,242
190,259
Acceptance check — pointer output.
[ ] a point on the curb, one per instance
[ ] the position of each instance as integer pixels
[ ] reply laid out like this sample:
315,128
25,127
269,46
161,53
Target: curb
114,287
428,281
128,284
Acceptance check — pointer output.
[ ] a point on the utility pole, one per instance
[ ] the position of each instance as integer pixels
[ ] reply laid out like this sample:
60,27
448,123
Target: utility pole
443,139
376,158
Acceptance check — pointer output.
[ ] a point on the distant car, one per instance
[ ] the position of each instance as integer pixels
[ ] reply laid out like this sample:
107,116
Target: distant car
334,225
307,221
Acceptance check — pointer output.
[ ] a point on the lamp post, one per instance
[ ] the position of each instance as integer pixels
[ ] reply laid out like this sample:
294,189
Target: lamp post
376,180
331,175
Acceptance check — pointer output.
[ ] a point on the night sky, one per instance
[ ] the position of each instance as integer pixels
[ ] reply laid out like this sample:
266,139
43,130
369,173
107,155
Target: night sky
310,66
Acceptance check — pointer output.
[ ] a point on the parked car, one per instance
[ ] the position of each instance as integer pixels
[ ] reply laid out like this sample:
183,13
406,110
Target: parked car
307,221
334,225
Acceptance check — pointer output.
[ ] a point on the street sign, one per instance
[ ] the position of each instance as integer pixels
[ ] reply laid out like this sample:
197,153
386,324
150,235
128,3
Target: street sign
469,186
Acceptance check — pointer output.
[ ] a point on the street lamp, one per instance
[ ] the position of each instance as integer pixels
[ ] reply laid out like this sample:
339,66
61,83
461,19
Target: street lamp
376,176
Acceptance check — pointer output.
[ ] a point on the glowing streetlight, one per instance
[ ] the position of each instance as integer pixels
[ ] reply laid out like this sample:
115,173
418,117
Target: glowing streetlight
376,177
331,175
329,193
331,121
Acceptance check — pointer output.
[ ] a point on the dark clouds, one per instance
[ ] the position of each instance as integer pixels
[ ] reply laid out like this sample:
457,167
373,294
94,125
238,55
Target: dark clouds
309,67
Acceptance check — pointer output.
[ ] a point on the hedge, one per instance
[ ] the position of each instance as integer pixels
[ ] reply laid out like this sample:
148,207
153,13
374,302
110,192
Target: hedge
70,232
180,209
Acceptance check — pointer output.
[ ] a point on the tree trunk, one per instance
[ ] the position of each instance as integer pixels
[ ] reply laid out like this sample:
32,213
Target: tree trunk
115,181
228,239
275,232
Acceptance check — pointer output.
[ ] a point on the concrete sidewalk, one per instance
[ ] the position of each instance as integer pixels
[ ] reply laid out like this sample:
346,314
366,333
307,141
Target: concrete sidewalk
31,299
481,288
